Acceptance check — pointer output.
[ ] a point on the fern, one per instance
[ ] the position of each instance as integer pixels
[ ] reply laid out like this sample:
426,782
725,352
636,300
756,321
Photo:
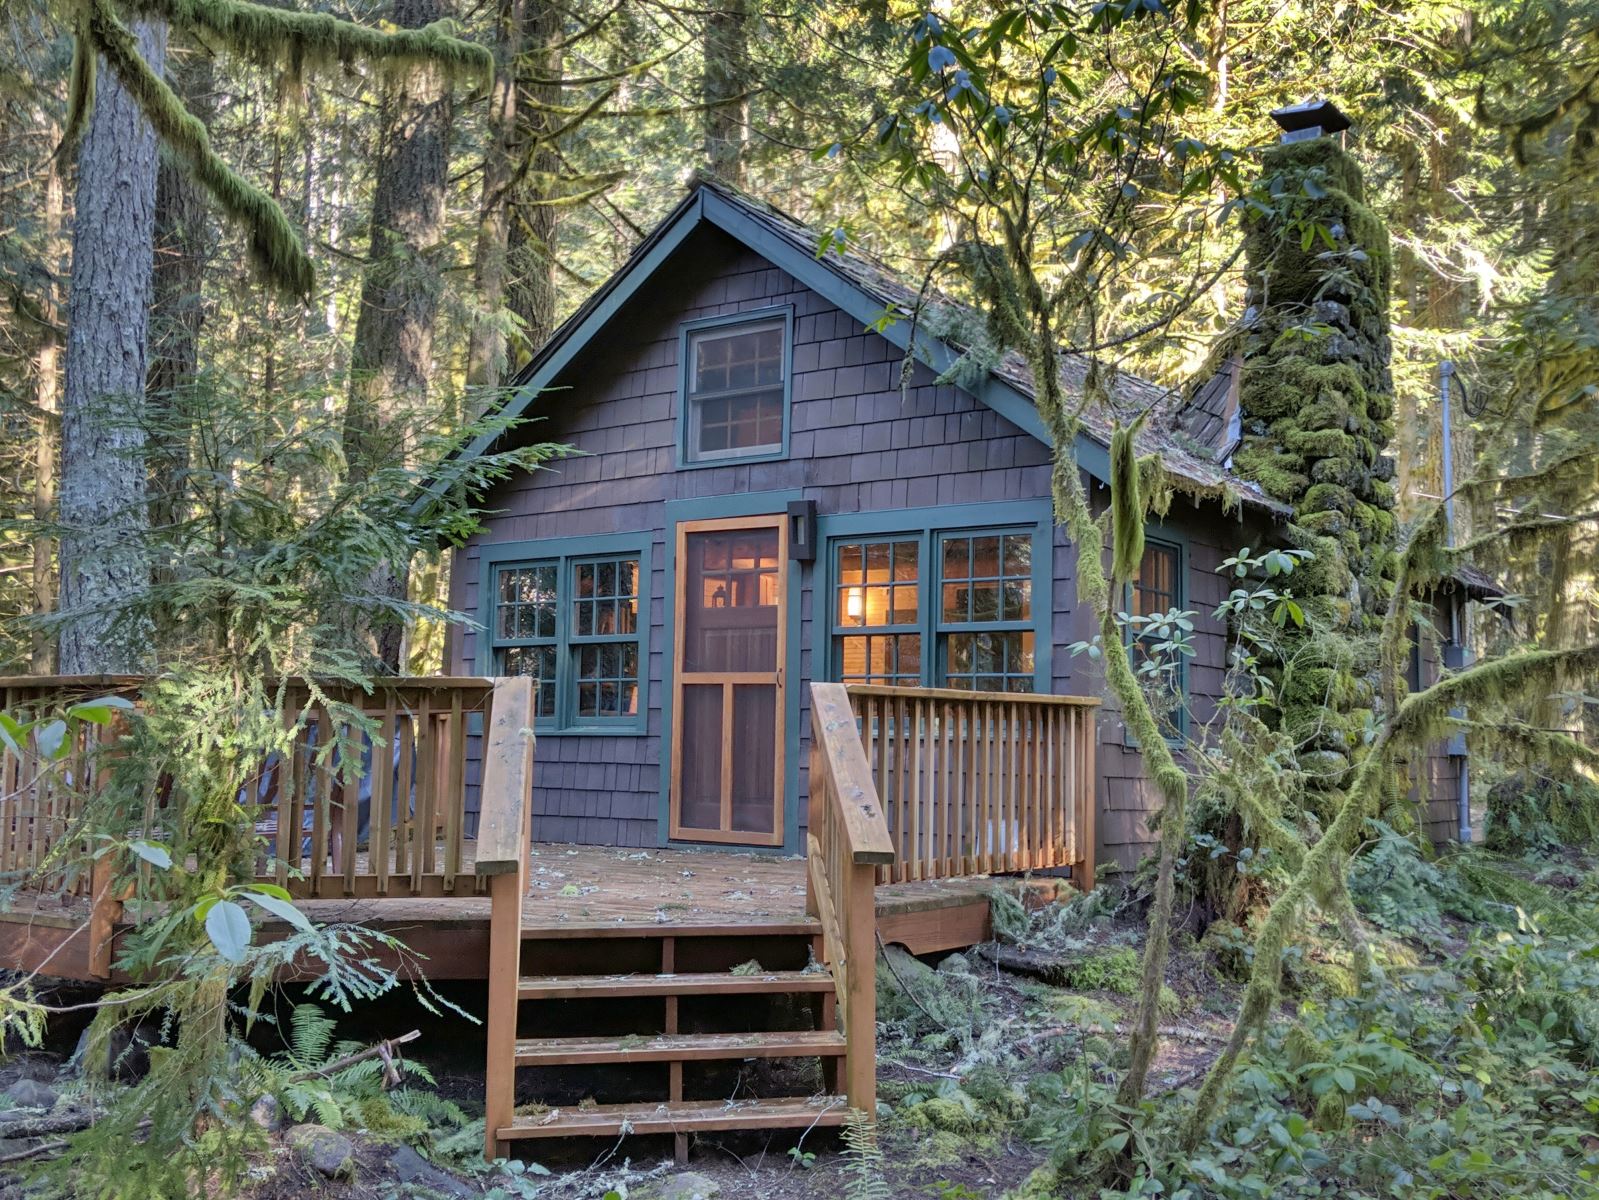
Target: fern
863,1160
1395,887
310,1036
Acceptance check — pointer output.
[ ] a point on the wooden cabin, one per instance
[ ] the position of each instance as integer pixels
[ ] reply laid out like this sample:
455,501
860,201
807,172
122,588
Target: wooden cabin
763,495
791,631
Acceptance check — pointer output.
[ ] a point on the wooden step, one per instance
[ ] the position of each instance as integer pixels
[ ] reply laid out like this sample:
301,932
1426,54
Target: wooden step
676,1047
684,1116
688,983
689,926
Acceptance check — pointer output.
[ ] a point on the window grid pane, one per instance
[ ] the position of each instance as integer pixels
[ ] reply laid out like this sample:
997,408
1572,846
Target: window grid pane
593,661
984,661
526,603
987,578
981,611
1155,591
735,403
876,585
539,662
605,598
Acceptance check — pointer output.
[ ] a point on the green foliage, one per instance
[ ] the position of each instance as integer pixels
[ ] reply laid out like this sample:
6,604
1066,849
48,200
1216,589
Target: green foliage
1527,813
863,1160
1473,1078
946,1008
252,589
1395,887
310,1083
1115,970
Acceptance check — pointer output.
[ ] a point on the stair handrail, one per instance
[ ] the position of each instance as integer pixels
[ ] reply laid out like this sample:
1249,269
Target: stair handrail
504,838
846,840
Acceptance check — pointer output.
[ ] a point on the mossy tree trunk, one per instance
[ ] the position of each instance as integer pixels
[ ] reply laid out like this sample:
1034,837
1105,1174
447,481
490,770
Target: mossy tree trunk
514,267
47,401
177,314
103,556
535,210
725,89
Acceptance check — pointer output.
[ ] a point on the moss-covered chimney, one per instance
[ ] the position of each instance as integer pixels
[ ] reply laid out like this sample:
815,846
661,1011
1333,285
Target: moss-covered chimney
1316,410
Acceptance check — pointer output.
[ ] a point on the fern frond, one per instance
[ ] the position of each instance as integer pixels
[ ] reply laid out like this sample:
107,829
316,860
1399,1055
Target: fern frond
310,1036
863,1160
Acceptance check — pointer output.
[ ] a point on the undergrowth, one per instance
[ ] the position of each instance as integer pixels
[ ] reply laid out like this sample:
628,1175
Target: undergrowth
1466,1068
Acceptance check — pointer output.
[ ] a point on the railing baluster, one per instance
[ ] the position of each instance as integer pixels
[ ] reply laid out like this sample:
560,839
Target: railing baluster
422,821
382,809
457,791
350,781
978,783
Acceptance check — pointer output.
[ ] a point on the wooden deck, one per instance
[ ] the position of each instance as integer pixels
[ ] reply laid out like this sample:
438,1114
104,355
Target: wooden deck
576,892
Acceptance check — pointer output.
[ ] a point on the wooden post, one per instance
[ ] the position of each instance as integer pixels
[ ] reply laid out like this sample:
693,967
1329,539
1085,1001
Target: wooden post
815,816
503,834
103,918
505,956
1087,735
860,1005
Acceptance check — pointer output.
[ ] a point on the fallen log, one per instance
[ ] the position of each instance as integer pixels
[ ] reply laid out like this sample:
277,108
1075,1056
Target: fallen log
1033,964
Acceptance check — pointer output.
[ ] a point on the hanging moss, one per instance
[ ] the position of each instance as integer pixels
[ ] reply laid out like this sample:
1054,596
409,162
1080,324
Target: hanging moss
1127,509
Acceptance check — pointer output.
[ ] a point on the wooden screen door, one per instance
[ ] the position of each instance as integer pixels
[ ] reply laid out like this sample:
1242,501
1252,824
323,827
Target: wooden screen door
731,643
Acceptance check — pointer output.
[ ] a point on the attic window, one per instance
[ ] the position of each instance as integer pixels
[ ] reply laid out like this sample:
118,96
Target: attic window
735,389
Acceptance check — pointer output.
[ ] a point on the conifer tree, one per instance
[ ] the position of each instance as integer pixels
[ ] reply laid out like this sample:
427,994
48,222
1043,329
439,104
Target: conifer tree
102,501
392,357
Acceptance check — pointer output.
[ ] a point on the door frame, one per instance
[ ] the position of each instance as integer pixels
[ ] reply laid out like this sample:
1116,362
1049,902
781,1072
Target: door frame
730,679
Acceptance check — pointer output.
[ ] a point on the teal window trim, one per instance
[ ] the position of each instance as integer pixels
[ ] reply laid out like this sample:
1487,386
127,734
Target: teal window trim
927,527
1164,539
686,334
569,555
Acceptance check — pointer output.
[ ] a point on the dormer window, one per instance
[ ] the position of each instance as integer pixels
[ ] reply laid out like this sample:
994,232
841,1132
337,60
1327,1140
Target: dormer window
735,389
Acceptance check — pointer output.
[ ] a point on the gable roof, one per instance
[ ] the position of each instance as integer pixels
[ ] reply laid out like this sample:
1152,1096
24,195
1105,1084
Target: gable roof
865,289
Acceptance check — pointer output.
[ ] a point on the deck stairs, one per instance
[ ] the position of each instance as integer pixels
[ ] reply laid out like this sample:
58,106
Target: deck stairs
683,1031
684,1027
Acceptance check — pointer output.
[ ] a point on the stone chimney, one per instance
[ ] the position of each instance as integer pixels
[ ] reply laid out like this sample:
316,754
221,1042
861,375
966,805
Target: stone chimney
1316,409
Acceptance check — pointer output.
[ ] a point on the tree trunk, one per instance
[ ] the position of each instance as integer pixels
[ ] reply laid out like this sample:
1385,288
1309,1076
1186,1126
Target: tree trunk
392,355
485,359
47,365
182,248
533,218
103,495
726,87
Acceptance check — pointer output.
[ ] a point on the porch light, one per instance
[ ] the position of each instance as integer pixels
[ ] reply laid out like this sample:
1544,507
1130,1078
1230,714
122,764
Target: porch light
855,605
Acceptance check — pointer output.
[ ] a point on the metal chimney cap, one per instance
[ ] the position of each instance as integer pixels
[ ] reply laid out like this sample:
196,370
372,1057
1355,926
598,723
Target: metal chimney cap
1309,119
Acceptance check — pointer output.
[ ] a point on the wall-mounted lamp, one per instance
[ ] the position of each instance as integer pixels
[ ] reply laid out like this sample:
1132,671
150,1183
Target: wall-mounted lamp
855,605
802,530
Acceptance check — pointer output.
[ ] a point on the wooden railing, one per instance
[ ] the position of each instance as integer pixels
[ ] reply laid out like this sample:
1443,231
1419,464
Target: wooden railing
387,818
344,814
504,837
41,798
847,844
974,783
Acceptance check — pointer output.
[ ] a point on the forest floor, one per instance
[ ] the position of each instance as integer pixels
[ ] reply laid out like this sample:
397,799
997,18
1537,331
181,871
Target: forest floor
987,1059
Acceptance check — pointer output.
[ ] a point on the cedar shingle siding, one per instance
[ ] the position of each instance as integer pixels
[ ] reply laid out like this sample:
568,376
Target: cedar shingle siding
857,445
